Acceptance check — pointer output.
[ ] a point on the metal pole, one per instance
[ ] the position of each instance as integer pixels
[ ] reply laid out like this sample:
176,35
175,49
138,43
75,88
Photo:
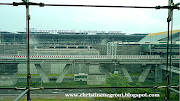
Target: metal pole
167,64
179,65
21,95
175,90
171,49
28,54
170,3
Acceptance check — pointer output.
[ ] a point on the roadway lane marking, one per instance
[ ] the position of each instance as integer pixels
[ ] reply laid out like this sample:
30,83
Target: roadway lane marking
58,92
58,89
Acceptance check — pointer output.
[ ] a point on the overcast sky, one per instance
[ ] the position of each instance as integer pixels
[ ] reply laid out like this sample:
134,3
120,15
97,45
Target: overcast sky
96,19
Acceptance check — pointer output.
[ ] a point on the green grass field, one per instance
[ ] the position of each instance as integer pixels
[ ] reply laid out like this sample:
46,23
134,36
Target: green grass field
80,99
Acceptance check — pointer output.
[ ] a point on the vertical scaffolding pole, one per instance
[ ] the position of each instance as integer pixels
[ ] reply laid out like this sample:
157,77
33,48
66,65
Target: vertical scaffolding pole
170,12
170,73
28,54
167,64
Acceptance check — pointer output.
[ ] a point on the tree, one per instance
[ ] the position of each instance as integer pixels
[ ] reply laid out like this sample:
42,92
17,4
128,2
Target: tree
117,80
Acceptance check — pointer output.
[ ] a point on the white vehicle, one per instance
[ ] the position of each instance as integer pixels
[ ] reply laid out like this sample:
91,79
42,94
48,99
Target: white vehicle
80,77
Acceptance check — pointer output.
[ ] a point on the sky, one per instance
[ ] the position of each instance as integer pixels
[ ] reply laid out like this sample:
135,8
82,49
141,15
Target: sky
125,20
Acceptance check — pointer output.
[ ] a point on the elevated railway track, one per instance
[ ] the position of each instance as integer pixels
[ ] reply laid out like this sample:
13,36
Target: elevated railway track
92,59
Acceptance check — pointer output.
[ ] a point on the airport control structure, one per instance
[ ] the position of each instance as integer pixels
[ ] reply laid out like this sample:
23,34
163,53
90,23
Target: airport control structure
73,57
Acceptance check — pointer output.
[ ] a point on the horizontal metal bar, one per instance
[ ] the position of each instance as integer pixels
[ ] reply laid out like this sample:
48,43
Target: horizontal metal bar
87,87
16,88
6,4
174,90
71,5
21,95
97,6
109,87
41,88
7,88
166,86
96,87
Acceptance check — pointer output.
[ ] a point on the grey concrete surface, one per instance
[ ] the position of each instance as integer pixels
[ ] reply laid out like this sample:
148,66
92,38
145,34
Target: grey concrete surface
63,73
125,72
144,74
41,73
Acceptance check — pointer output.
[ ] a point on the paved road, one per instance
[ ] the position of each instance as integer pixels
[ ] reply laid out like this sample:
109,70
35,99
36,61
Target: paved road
51,91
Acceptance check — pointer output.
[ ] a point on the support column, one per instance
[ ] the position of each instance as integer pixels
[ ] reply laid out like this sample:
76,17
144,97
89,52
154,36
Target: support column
71,68
8,79
57,68
41,73
158,73
93,68
64,72
144,74
77,68
126,74
103,70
